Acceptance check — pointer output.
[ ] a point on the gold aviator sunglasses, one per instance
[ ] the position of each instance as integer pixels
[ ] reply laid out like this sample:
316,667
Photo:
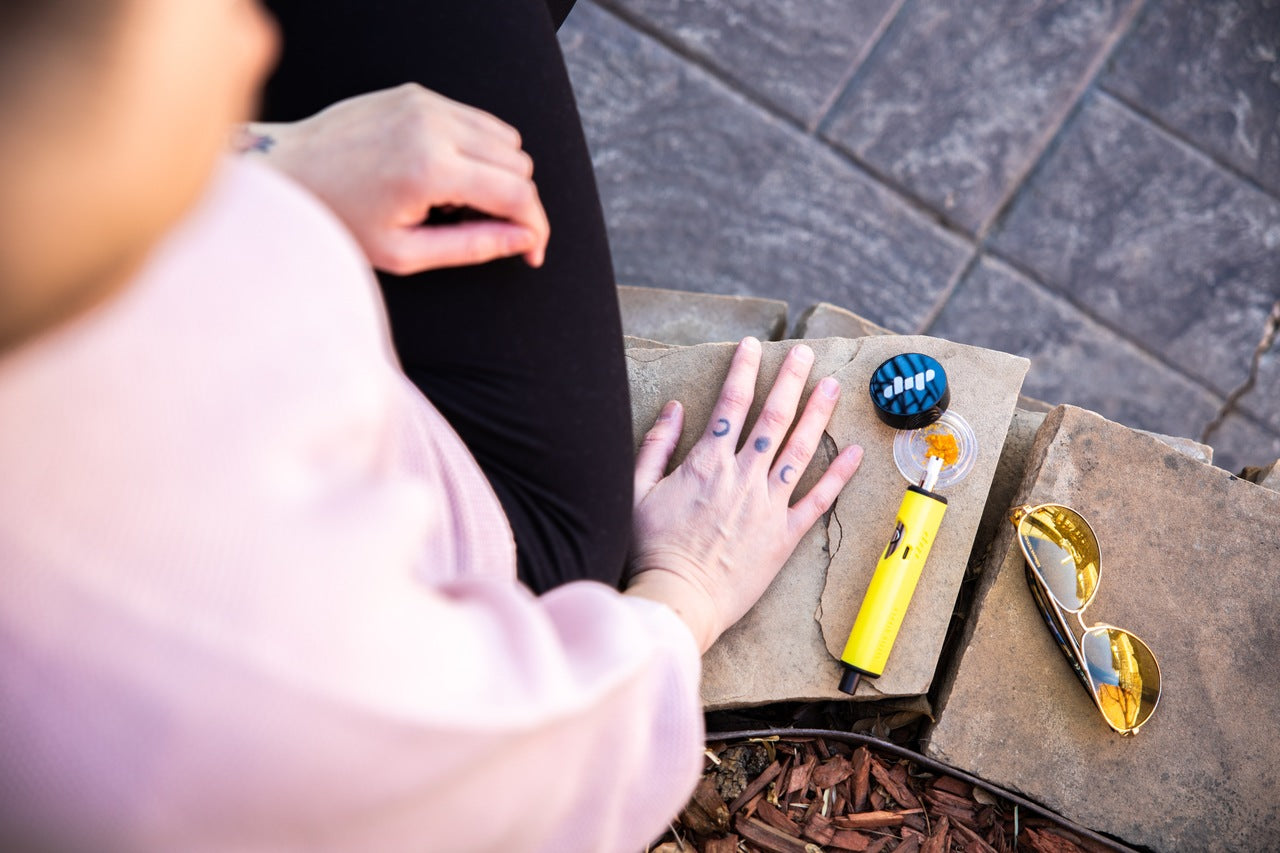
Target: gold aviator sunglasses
1063,560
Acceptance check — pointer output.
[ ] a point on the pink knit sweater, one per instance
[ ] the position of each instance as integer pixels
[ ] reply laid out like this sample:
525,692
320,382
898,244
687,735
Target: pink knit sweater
256,595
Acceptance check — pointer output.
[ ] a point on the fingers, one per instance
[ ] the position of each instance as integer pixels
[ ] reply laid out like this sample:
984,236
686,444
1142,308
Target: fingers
404,251
503,194
806,511
780,406
497,151
656,449
803,443
735,398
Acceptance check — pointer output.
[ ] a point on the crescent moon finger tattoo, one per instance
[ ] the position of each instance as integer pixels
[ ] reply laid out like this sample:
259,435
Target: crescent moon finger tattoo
785,474
722,428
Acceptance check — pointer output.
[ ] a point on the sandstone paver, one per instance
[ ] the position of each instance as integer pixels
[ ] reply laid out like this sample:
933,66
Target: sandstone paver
825,320
1188,557
683,318
783,650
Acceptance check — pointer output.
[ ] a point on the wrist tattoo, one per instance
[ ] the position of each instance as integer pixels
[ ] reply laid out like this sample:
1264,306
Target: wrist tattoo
722,428
245,140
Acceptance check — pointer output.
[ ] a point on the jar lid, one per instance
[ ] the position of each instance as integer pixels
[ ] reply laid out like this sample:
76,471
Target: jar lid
910,391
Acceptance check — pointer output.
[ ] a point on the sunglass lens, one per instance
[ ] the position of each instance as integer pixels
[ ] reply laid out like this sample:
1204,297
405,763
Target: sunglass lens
1063,549
1125,675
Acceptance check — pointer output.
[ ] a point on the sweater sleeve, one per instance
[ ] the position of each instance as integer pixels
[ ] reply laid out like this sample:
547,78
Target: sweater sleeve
257,597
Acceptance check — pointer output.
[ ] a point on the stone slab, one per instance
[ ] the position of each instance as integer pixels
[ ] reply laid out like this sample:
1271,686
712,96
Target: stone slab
795,55
984,390
959,99
780,651
825,320
1074,359
1263,475
683,318
1211,71
1153,239
1012,467
705,191
1189,557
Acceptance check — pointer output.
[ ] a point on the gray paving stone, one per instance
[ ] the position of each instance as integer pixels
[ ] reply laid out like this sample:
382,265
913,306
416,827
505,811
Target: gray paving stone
781,650
1201,774
958,99
683,318
1211,71
1263,401
795,54
1242,442
1073,359
704,191
1153,238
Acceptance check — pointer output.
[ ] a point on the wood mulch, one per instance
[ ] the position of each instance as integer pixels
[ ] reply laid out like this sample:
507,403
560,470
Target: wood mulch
813,794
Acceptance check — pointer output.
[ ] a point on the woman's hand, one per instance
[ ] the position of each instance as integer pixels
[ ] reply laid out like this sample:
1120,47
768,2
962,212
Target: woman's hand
710,537
383,160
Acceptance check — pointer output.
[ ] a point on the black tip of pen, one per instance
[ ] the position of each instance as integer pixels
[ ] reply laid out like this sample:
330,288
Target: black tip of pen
849,681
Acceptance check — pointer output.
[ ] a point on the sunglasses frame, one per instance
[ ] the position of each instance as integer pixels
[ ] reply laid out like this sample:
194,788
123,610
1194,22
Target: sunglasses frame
1054,615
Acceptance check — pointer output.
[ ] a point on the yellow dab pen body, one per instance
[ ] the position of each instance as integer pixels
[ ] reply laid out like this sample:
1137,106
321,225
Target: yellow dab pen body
892,586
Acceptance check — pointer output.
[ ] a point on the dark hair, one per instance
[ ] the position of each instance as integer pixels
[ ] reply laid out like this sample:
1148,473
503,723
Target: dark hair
24,18
32,31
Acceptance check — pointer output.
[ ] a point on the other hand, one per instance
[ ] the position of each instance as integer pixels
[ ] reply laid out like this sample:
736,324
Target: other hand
383,160
710,537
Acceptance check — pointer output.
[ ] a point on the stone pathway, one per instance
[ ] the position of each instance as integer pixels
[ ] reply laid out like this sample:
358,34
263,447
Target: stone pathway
1093,184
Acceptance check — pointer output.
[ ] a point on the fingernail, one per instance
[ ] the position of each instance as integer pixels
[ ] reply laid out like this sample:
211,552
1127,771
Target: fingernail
750,343
802,352
669,410
829,388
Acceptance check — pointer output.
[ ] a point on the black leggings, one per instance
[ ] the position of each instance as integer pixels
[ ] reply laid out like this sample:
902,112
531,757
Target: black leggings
525,364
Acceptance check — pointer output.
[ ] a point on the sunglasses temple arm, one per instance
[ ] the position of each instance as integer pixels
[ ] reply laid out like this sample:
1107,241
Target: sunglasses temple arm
1065,638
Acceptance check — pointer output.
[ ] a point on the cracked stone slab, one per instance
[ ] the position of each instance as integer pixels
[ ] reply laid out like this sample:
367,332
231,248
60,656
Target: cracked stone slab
958,99
705,191
778,652
825,320
1152,238
794,54
1074,359
1188,559
1211,71
682,318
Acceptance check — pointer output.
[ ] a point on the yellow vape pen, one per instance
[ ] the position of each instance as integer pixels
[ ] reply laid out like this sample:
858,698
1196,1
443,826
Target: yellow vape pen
894,581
